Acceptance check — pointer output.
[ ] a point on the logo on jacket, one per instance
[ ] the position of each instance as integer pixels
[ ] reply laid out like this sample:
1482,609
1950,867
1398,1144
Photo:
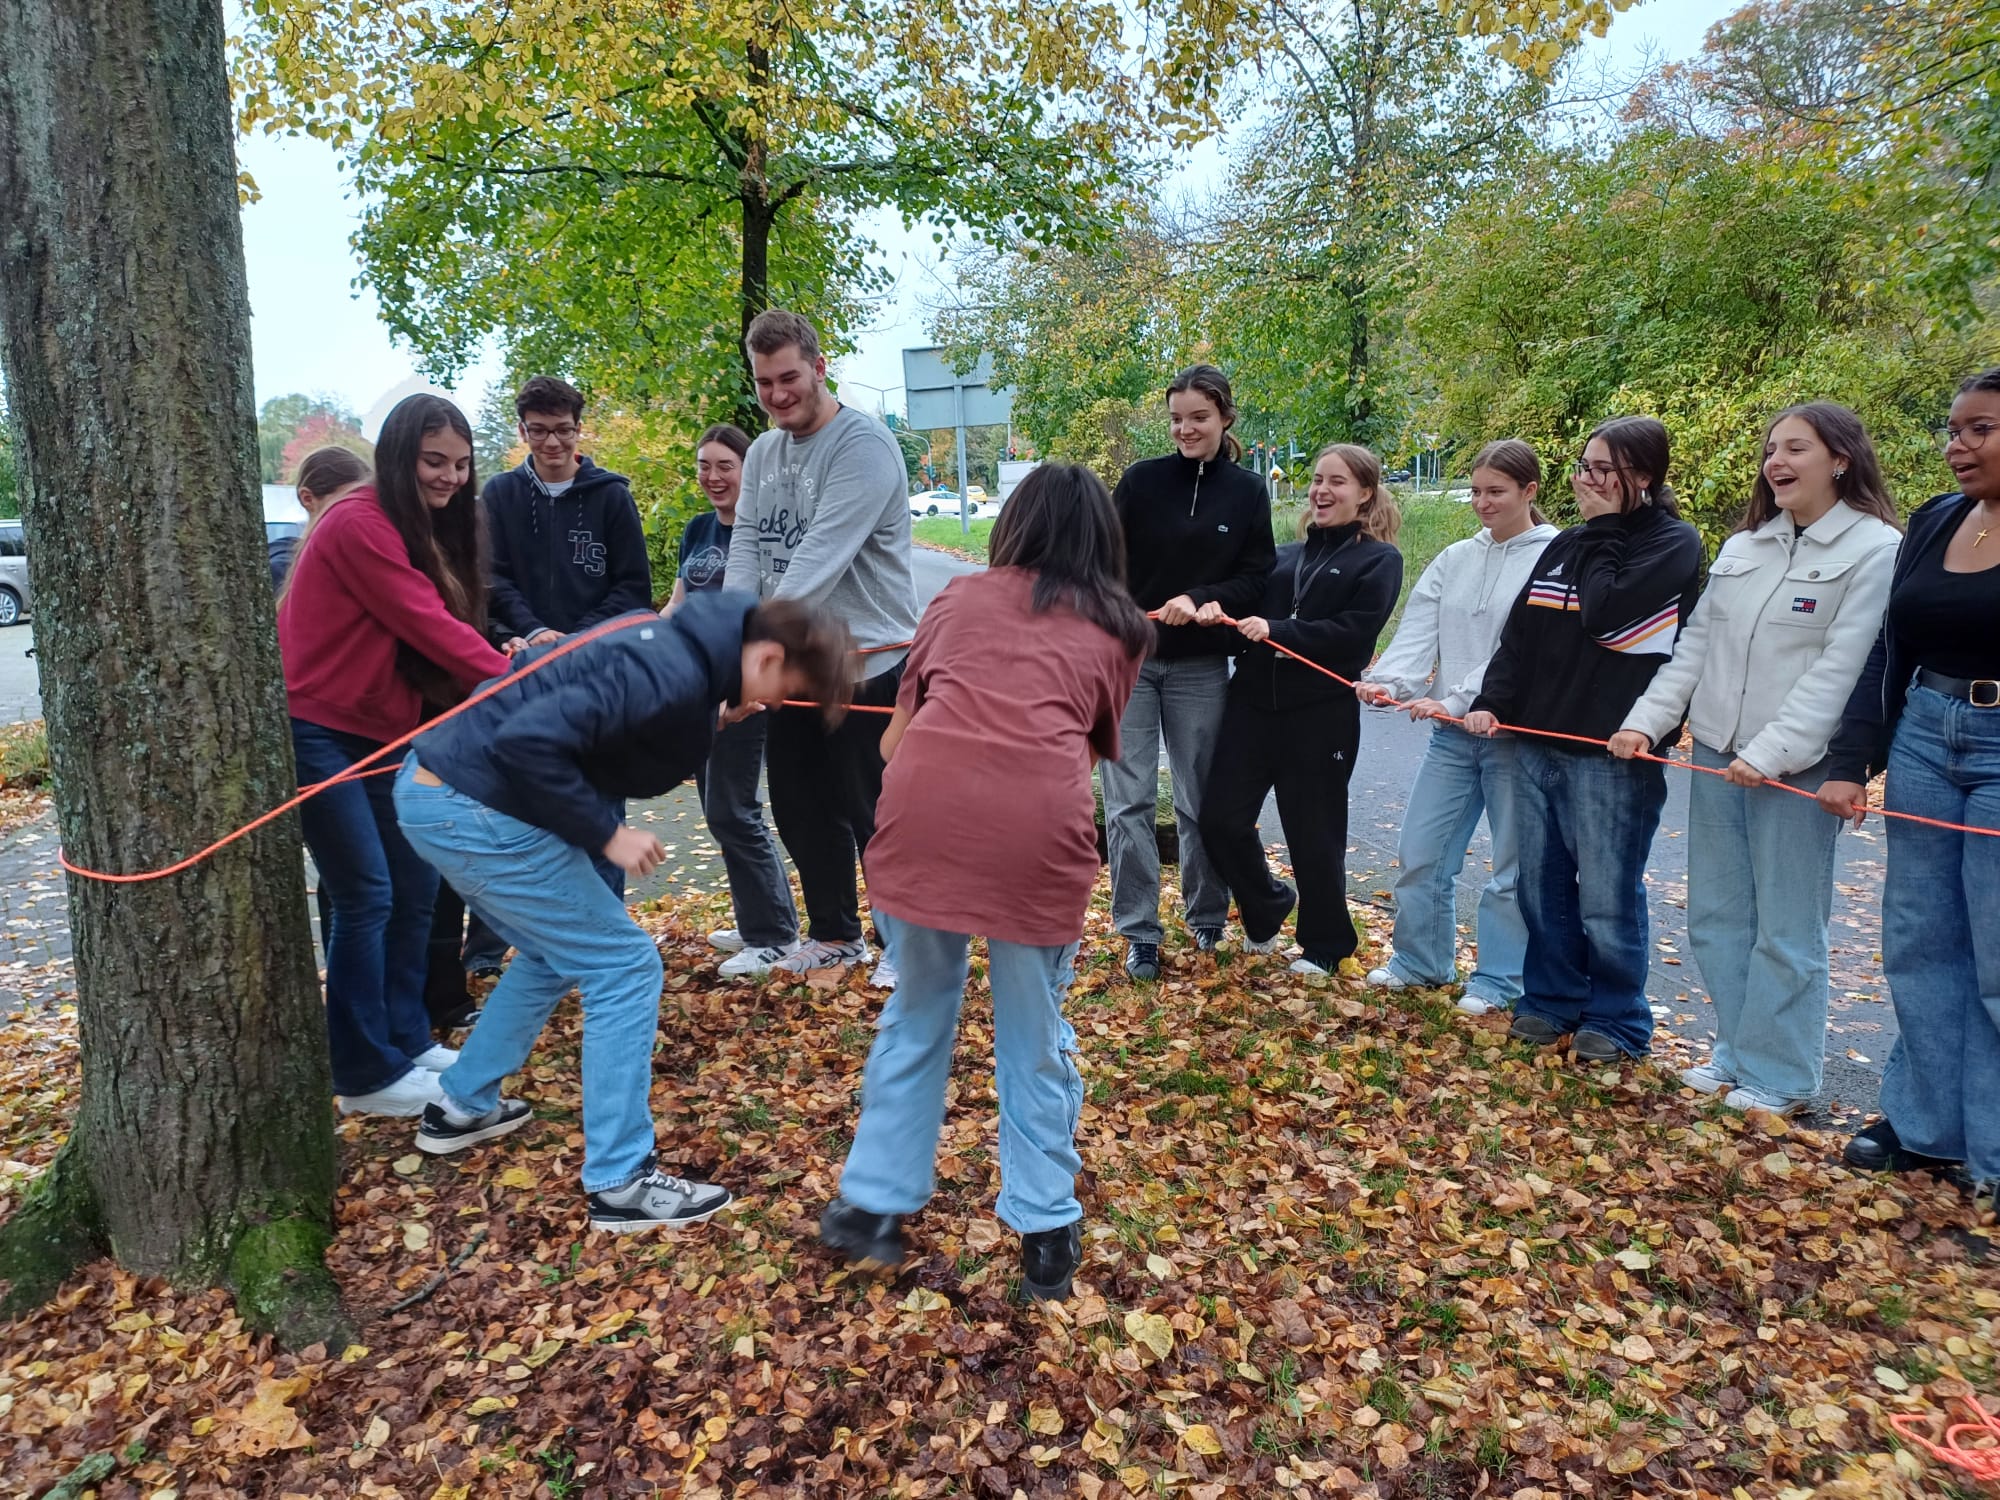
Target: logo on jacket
1804,606
588,554
1222,528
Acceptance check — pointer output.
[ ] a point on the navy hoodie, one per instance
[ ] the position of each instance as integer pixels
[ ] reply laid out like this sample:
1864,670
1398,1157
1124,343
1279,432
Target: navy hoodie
630,715
564,562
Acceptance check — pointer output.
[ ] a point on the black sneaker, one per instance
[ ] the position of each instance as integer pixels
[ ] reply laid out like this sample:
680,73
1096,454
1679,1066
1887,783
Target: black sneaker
1880,1149
484,971
458,1017
1049,1260
1534,1029
1142,960
1207,939
1593,1046
444,1131
870,1242
657,1200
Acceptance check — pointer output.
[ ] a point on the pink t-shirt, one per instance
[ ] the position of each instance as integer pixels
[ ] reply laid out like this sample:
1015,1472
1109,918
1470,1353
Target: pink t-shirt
986,820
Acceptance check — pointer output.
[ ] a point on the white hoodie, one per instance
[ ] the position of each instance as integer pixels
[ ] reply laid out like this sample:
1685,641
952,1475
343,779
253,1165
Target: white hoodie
1452,621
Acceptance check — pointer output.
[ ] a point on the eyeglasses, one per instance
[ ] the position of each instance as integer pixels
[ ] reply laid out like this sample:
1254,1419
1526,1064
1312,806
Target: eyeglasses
1583,468
1970,438
539,434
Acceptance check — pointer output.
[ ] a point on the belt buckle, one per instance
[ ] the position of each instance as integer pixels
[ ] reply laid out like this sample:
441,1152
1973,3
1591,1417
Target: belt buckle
1985,693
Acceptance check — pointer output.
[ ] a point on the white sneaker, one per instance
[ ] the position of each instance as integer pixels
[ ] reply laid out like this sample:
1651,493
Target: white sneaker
1307,966
1268,945
1706,1078
884,977
437,1057
1386,978
406,1097
726,940
814,954
750,963
1747,1099
1476,1005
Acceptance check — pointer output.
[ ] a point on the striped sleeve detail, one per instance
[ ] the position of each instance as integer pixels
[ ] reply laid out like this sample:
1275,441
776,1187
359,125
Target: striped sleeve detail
1551,595
1654,636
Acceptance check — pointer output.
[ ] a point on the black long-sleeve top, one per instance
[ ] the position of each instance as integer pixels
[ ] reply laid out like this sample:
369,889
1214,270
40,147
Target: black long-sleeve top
1327,599
1599,616
1200,528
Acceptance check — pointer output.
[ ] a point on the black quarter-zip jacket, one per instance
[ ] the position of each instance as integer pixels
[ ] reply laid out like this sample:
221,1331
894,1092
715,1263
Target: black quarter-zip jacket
1200,528
1327,599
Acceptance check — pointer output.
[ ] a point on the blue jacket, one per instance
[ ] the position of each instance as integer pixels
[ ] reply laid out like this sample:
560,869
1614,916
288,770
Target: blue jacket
1860,747
630,715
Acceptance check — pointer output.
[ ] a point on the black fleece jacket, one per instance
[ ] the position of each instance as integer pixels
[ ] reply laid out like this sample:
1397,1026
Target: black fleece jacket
1327,599
630,715
1200,528
569,562
1598,617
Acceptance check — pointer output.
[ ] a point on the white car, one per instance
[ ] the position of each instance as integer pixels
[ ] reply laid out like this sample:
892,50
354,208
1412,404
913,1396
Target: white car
946,503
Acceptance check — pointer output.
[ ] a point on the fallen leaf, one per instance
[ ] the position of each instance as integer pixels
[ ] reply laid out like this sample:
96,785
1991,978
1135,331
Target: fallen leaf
267,1422
1151,1330
1045,1420
1203,1439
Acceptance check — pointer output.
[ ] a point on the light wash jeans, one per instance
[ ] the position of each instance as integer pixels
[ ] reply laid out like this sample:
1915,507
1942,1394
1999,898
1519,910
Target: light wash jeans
1760,896
1462,775
893,1166
1941,933
1182,700
1586,826
549,901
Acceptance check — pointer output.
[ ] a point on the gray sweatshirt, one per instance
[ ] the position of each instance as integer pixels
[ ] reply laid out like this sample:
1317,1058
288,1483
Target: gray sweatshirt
1452,621
826,520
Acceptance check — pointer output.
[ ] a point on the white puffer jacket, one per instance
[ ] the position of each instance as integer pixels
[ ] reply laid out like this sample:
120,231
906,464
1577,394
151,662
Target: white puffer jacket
1779,638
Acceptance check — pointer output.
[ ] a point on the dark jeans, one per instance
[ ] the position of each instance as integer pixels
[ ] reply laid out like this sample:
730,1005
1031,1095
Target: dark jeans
1305,754
1586,824
380,892
758,889
824,787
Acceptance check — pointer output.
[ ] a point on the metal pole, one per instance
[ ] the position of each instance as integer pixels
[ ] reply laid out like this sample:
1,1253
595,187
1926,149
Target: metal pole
964,480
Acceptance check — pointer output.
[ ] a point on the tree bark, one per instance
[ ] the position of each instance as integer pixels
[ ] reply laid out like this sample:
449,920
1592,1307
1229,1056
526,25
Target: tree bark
203,1144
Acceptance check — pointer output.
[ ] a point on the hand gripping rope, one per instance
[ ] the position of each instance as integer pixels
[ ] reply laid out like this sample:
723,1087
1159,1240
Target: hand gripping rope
363,766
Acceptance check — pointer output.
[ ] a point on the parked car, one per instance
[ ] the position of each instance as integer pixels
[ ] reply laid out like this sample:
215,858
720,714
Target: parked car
946,503
15,600
1399,476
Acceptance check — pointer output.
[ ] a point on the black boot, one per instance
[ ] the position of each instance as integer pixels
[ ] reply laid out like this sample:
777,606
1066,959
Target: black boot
1880,1149
870,1242
1049,1260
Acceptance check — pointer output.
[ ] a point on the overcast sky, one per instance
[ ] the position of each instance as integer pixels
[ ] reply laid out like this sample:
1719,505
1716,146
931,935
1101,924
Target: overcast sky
315,331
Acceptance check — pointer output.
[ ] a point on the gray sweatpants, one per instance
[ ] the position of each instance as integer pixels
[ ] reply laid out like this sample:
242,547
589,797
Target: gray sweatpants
1181,700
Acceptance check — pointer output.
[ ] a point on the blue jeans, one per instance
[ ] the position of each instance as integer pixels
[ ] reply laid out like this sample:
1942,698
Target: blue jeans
1760,895
1586,824
381,896
1182,700
549,900
1941,933
893,1166
1462,775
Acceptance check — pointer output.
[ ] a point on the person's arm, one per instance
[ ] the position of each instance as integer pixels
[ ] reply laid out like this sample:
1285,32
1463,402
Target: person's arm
1243,590
506,603
1412,657
859,475
916,671
1626,579
1351,633
370,561
1665,702
744,570
625,557
676,599
1811,712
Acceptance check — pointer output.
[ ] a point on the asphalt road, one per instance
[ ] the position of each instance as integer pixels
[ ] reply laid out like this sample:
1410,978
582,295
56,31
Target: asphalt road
20,682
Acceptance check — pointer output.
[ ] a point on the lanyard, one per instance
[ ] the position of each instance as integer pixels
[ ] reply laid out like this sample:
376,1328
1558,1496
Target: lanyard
1303,581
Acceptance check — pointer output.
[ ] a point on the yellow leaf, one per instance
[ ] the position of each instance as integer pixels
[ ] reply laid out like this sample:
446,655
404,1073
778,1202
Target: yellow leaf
1634,1260
1778,1164
416,1236
923,1299
1888,1379
267,1422
356,1351
1045,1420
1202,1438
485,1406
1626,1460
518,1177
446,1491
543,1352
203,1426
1151,1330
377,1433
745,1347
406,1166
1160,1266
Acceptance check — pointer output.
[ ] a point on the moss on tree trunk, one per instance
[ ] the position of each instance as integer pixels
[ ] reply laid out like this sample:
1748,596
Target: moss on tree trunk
203,1144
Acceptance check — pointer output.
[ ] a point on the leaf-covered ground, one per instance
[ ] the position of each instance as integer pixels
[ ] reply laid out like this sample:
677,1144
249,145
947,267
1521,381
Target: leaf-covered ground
1337,1245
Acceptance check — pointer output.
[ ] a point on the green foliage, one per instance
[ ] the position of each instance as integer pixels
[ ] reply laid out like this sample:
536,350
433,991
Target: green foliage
496,439
290,426
24,755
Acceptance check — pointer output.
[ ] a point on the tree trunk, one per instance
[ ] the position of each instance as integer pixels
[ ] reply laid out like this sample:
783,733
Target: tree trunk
203,1144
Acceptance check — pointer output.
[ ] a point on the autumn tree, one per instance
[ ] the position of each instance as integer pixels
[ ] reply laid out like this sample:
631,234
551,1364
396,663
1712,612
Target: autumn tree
202,1148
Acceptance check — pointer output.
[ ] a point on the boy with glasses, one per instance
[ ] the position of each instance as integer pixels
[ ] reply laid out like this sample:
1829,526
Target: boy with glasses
568,550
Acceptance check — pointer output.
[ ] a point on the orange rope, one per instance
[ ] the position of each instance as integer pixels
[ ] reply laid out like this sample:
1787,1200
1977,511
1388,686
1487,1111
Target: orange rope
1981,1463
1605,745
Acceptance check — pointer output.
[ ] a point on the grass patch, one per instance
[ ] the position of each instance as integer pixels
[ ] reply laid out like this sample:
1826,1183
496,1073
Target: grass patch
24,756
942,533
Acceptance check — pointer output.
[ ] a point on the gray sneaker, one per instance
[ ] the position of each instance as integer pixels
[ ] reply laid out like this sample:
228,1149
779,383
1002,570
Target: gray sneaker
657,1200
814,954
1594,1046
1533,1029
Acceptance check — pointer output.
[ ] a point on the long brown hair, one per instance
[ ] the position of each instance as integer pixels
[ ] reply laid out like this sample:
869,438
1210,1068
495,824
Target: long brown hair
1639,443
1380,517
1859,483
1207,380
1519,462
1059,524
447,545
